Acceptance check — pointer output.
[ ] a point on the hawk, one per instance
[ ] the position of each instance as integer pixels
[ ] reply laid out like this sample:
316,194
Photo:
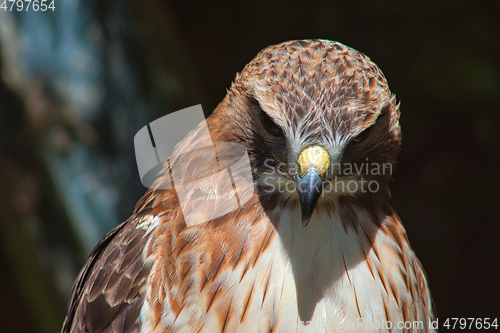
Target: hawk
316,248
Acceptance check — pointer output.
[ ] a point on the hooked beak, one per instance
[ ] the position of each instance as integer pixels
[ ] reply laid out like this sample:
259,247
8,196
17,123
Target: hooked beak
313,162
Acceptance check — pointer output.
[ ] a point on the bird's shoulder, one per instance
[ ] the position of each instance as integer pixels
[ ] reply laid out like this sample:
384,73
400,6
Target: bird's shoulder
106,296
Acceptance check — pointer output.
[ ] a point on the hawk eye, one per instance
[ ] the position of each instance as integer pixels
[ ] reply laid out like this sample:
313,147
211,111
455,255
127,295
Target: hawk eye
362,136
270,125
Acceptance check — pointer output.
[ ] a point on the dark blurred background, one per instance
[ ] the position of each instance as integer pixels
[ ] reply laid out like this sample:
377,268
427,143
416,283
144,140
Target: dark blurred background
78,82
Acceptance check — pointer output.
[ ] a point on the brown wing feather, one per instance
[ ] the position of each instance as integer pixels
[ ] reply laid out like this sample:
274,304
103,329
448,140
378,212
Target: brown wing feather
106,297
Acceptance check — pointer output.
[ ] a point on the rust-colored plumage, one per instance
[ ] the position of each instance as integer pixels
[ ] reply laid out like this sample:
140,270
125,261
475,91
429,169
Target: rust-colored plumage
257,269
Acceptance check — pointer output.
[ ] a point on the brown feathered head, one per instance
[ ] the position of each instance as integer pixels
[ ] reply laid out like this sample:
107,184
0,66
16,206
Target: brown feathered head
318,119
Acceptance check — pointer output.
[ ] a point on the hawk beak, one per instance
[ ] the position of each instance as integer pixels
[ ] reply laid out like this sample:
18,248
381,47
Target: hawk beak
313,162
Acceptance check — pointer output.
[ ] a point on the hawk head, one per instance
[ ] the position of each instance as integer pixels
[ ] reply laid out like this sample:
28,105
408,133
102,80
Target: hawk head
319,122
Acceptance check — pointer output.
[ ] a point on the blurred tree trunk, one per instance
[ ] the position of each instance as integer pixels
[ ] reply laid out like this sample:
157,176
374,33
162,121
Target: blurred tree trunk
78,83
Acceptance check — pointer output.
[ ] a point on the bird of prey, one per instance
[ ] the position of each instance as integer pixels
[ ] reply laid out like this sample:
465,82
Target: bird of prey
317,247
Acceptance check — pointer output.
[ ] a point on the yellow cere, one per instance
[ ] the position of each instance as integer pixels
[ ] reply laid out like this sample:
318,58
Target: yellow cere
315,157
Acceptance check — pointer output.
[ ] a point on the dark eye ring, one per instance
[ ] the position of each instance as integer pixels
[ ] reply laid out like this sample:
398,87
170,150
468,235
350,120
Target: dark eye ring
270,125
362,136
